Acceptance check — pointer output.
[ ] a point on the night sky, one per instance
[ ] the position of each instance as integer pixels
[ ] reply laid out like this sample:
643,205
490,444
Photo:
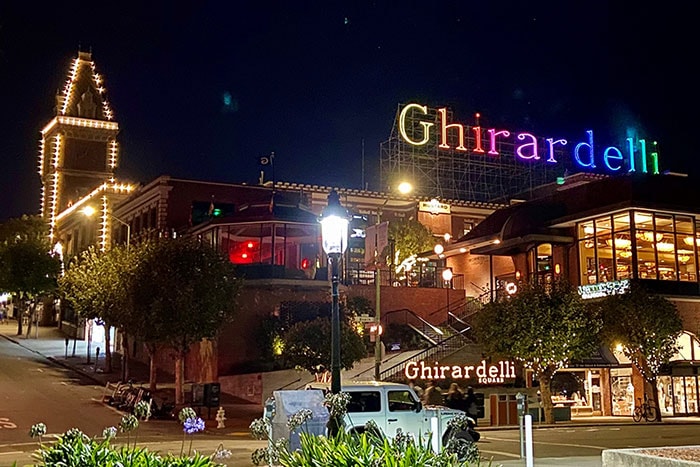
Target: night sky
204,89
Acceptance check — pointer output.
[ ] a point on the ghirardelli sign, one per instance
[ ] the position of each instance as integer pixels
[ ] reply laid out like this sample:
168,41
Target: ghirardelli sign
631,156
498,372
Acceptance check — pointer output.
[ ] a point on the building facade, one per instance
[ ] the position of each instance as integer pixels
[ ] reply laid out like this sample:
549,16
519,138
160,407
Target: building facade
601,235
598,232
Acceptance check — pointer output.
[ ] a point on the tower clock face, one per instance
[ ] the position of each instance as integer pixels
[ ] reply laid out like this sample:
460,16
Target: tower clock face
85,155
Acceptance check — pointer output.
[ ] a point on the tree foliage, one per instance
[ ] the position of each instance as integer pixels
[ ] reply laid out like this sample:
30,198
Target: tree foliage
410,238
543,327
647,327
308,345
97,285
186,291
29,268
25,229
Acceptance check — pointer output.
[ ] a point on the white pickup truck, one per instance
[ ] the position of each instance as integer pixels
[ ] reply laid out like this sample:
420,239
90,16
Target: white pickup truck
392,406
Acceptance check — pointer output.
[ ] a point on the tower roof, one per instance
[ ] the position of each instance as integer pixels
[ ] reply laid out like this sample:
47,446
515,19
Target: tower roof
84,94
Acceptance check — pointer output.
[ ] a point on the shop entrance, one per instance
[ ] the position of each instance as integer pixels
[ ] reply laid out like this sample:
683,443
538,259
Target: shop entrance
678,391
678,395
578,389
622,391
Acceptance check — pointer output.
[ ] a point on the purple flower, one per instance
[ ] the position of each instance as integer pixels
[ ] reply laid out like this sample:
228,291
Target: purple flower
193,425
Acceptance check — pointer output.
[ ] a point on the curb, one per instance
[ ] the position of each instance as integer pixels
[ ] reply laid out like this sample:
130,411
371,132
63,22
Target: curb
55,361
73,368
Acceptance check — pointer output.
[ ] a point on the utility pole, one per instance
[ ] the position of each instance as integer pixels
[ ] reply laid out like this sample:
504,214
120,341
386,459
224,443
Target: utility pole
380,242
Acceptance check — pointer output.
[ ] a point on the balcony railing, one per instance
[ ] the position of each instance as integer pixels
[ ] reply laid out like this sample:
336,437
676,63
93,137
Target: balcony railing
421,277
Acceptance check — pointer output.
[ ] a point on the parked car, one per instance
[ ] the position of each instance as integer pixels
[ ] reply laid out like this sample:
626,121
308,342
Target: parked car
394,406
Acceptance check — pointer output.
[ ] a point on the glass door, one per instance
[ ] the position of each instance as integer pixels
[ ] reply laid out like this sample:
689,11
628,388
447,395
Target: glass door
665,391
691,394
622,394
679,400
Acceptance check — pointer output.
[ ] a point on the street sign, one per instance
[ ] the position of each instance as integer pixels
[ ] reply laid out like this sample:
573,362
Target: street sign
365,319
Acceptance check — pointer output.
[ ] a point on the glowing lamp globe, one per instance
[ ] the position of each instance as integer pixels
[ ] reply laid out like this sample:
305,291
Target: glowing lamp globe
447,275
334,226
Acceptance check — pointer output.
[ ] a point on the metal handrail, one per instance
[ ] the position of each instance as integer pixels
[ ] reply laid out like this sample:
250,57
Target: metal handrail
440,350
445,346
411,313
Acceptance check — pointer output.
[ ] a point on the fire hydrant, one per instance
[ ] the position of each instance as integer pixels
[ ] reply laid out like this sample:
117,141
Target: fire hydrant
220,417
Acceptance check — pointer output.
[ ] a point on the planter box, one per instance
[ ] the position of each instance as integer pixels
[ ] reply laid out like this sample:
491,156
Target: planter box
643,457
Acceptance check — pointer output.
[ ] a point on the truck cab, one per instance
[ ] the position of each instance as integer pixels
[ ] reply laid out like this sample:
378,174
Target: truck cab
392,406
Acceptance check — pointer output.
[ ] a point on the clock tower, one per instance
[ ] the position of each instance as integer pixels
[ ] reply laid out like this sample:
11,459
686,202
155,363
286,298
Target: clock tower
78,149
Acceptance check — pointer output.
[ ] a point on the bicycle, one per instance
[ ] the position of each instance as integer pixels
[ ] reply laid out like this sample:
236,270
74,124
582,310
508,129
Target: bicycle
647,410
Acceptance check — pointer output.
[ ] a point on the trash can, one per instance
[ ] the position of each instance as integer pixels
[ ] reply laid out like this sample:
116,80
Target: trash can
207,394
212,394
287,403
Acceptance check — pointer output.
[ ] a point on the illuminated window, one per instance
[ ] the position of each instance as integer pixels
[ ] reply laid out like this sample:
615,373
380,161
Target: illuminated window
468,226
541,263
663,247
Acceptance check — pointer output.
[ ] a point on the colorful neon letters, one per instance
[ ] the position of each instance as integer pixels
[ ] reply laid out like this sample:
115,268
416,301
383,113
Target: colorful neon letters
527,147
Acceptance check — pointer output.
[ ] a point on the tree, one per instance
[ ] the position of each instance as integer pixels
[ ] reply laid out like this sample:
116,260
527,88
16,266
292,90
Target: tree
410,237
308,345
647,326
29,268
186,291
96,284
543,327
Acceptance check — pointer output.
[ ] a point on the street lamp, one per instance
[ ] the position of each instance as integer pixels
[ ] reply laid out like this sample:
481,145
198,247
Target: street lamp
334,235
89,211
404,188
447,277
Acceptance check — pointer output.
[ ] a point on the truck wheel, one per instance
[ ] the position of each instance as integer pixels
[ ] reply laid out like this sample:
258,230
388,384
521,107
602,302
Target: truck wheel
356,431
465,435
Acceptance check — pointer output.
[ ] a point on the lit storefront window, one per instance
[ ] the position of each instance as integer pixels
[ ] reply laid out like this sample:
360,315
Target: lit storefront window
622,391
622,245
292,247
604,248
663,247
541,264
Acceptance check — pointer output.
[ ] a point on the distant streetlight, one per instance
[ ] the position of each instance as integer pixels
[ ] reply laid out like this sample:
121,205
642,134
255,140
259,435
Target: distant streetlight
447,277
334,235
405,188
89,211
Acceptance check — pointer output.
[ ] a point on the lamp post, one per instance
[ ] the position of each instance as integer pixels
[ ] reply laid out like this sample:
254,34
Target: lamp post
334,235
128,230
89,211
447,277
404,188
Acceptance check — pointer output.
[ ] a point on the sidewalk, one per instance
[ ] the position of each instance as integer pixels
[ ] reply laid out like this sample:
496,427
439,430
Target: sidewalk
52,345
50,342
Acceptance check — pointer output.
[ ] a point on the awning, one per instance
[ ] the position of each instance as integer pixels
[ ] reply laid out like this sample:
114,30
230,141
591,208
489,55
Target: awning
600,358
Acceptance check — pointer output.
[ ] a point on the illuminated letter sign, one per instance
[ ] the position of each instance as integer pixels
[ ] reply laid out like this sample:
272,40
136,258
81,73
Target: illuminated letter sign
426,126
527,148
483,373
434,207
603,289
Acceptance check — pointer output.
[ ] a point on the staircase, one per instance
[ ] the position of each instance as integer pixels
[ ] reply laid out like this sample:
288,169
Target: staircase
445,339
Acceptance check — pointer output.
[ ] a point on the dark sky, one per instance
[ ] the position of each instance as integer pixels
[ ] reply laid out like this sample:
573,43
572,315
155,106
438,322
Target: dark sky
203,89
